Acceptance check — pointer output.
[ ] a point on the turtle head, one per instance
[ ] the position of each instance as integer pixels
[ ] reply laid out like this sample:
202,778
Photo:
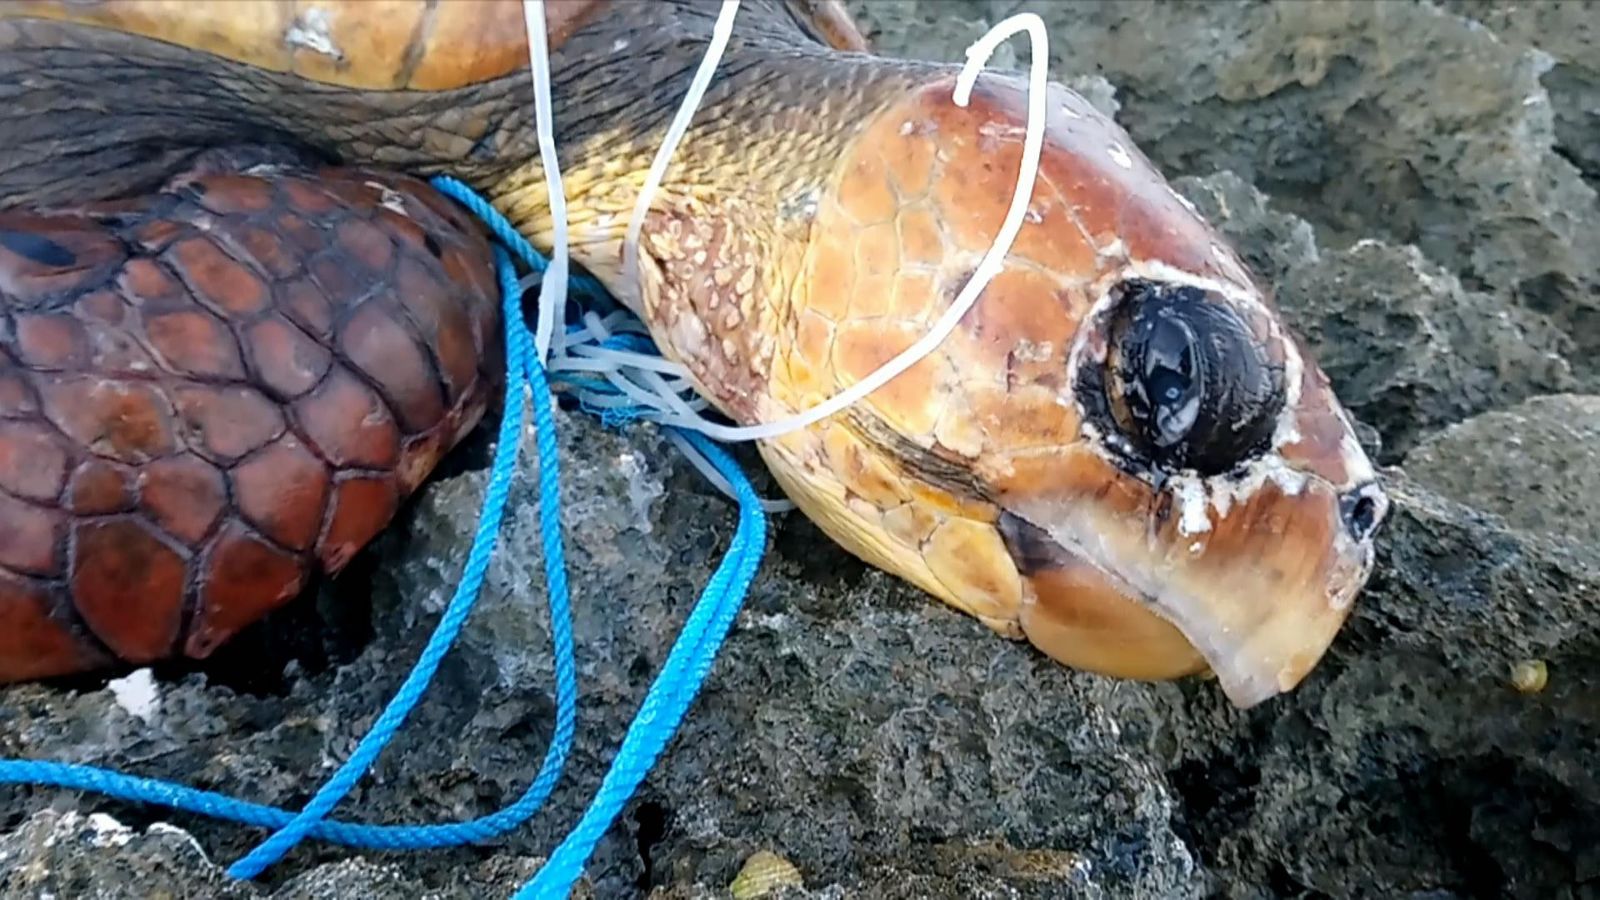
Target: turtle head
1212,507
1121,452
1201,500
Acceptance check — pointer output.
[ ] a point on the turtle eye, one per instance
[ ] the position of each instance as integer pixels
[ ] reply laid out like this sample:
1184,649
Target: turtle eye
1186,384
1162,388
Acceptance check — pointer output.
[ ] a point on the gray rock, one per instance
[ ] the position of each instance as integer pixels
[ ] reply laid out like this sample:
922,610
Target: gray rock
1537,465
1407,179
1567,32
95,857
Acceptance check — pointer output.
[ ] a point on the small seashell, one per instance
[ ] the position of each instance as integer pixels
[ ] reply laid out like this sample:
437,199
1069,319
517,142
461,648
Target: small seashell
1530,676
764,873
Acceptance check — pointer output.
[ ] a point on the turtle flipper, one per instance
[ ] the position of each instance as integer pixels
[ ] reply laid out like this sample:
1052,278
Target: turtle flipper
211,391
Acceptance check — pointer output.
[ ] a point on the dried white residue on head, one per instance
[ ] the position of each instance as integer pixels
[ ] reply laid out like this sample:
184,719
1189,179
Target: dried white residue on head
1033,351
136,693
1227,490
311,30
1197,497
1193,515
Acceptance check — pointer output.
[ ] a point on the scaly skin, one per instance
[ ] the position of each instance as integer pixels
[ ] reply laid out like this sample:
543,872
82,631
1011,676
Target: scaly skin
822,212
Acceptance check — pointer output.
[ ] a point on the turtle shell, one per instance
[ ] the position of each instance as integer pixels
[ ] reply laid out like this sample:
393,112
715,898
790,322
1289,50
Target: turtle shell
366,44
417,45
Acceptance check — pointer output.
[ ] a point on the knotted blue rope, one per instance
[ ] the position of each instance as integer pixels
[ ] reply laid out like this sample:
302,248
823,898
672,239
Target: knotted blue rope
659,715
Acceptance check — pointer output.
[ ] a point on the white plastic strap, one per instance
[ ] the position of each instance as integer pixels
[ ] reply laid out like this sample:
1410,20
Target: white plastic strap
553,295
977,56
576,348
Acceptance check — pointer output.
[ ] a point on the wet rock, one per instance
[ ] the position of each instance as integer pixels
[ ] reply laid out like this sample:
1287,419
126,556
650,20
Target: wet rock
1568,32
96,857
1413,764
848,721
1537,465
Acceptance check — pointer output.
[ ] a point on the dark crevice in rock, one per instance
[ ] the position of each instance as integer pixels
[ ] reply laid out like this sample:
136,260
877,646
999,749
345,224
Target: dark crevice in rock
1285,885
1218,799
650,821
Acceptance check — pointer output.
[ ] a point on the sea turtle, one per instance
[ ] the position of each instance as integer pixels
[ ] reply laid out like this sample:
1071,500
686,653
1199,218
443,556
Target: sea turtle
238,327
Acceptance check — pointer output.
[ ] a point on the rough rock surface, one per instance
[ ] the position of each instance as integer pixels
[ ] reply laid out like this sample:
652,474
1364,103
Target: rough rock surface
1418,187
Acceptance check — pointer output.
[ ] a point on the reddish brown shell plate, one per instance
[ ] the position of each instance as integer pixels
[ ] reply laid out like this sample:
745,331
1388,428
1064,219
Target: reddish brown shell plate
207,393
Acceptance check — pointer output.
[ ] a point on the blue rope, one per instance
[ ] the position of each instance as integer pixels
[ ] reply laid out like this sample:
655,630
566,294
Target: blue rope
658,717
675,687
519,354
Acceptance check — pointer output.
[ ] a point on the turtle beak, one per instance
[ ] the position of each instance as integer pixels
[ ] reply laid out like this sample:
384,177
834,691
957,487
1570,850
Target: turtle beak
1257,596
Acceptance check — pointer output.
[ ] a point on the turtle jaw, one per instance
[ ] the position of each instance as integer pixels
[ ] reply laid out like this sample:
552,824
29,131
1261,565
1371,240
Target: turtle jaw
1257,596
1085,618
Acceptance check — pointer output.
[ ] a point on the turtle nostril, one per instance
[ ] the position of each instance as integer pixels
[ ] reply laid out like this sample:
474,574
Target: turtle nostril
1363,510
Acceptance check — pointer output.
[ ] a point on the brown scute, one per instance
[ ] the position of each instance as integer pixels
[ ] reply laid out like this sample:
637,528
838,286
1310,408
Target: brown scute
287,361
216,279
51,341
418,457
192,426
102,307
16,398
129,421
99,487
365,244
33,536
184,495
159,234
33,464
305,304
35,642
225,423
340,280
349,424
228,194
385,351
361,507
128,585
145,282
243,578
269,250
195,343
445,325
300,233
305,198
281,491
